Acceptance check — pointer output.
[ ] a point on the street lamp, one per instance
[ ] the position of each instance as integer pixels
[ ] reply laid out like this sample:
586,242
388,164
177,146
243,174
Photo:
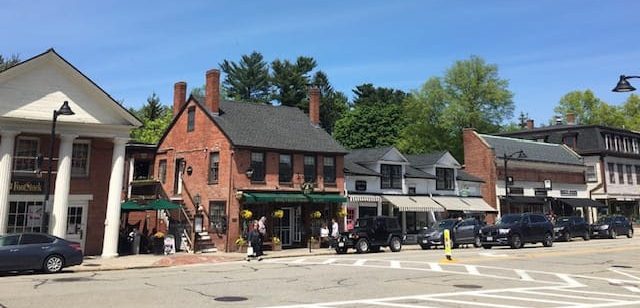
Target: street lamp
64,110
624,85
506,158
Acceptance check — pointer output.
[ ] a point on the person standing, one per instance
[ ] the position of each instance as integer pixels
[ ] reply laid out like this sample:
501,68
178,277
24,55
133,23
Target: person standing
335,231
255,241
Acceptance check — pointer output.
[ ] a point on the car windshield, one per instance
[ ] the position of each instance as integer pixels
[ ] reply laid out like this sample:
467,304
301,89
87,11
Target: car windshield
362,223
604,220
446,224
508,219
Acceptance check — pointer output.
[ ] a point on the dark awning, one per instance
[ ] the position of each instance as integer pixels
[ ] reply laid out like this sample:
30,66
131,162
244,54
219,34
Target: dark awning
159,204
254,197
580,202
516,200
134,206
327,198
163,204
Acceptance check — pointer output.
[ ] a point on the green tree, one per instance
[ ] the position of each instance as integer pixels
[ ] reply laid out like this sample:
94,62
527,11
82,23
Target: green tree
290,81
155,119
367,94
333,104
590,110
247,80
9,62
631,111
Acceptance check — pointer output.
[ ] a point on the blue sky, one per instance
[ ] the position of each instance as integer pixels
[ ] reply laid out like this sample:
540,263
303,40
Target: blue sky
133,48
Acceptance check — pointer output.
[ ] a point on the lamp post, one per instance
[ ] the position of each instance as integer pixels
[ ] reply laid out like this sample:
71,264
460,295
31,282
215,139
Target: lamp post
506,158
64,110
624,85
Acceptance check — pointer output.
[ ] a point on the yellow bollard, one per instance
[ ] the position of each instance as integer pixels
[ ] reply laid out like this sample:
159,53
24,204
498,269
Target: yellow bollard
447,244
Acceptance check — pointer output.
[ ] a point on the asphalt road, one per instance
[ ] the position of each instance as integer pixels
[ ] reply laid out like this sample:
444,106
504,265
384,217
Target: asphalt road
596,273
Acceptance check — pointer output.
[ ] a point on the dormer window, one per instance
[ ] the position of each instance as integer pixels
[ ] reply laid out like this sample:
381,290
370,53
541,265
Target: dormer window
444,179
391,176
191,119
570,141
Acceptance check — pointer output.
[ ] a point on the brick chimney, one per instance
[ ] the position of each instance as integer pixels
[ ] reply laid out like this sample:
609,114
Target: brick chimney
571,118
212,91
314,105
530,125
179,96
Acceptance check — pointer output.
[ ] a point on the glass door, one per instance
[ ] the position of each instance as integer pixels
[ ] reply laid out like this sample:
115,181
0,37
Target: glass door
77,223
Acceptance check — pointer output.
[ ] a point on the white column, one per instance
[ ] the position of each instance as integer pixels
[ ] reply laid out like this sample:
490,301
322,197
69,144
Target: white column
6,160
112,221
130,177
58,222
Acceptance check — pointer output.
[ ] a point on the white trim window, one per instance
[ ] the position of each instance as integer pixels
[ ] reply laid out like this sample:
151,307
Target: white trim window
634,144
591,174
80,158
24,216
618,144
25,160
608,142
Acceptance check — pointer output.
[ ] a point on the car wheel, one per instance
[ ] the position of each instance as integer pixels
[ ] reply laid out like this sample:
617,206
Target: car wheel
567,237
613,234
362,246
548,240
586,236
341,251
516,242
476,242
630,233
395,245
486,246
53,264
425,247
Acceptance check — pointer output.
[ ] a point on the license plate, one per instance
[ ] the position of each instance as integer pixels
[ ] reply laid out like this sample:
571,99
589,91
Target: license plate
341,244
489,238
424,241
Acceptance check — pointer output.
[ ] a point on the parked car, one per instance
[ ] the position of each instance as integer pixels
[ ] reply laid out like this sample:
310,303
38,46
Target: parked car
465,231
612,226
37,251
371,233
568,227
517,229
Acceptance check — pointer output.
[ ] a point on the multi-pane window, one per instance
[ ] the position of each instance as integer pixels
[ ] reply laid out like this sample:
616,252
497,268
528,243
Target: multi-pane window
285,172
570,141
80,158
257,165
612,172
634,145
412,190
26,154
621,173
444,179
627,144
617,144
24,216
191,119
329,170
214,167
591,174
391,176
162,171
217,210
361,185
309,168
629,174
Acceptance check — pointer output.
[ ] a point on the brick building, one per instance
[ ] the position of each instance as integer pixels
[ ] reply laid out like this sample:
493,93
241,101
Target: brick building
220,157
541,177
88,154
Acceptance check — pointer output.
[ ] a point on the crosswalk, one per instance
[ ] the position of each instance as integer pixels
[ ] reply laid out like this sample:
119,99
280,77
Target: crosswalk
556,290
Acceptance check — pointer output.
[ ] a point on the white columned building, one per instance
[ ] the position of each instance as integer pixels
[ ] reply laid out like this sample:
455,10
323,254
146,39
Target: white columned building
84,190
112,222
7,144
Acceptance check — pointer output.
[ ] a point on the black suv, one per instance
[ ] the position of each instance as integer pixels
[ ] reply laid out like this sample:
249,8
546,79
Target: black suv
462,232
612,226
569,227
516,229
371,233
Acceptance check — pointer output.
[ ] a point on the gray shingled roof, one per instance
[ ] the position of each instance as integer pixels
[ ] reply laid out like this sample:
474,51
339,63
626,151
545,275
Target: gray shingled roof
464,176
535,151
351,167
367,155
423,160
272,127
412,172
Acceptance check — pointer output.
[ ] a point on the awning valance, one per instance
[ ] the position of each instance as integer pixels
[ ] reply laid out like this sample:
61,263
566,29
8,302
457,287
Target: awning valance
580,202
452,203
364,198
521,200
327,198
478,205
292,198
155,205
414,203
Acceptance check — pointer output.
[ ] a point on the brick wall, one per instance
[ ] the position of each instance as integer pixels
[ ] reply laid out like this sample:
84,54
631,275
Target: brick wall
479,160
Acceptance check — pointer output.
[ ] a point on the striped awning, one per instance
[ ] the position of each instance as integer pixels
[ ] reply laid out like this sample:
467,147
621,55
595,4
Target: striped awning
478,205
414,203
364,198
452,203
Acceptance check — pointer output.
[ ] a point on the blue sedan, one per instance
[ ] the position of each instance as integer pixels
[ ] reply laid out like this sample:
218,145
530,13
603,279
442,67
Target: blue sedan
37,251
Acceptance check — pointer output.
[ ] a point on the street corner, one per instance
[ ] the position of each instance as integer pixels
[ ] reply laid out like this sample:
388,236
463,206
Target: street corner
188,259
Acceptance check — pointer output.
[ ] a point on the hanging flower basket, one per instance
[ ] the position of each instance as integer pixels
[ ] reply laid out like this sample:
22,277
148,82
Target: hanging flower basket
342,213
316,215
246,214
277,214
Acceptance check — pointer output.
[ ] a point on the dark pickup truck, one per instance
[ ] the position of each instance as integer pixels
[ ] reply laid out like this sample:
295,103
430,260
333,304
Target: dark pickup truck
371,233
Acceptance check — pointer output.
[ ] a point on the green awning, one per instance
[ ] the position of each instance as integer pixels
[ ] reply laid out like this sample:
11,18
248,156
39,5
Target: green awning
159,204
163,204
134,206
327,198
292,198
273,197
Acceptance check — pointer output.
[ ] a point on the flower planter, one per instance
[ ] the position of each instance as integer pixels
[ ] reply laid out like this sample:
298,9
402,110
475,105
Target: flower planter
242,249
277,247
314,244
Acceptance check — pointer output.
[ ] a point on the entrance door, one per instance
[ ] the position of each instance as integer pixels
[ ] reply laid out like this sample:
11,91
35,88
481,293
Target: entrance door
286,226
77,223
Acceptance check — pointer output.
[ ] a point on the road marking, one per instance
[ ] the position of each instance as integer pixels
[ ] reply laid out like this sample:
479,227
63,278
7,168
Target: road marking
549,294
526,299
360,262
395,264
572,282
597,293
625,274
523,275
435,267
390,304
467,303
473,270
633,289
298,261
491,254
329,261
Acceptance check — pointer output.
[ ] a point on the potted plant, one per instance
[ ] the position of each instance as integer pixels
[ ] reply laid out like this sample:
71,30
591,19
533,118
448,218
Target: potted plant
342,213
241,244
277,244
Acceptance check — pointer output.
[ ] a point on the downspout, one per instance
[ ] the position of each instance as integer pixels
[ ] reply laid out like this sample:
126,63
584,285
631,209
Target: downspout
230,197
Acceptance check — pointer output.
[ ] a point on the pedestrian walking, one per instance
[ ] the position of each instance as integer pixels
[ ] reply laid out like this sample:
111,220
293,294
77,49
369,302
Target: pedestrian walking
324,235
335,231
255,242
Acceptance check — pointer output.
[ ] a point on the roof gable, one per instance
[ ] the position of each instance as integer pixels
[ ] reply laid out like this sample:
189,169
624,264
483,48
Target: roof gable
37,86
373,155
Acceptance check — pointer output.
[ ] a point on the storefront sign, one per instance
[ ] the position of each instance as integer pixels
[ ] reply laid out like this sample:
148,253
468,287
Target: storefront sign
569,193
540,192
516,190
307,187
27,186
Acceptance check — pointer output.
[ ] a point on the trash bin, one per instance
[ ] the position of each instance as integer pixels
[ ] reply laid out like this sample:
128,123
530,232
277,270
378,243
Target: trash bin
158,245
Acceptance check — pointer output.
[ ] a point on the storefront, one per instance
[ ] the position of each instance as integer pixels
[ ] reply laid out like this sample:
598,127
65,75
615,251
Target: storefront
362,206
414,213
